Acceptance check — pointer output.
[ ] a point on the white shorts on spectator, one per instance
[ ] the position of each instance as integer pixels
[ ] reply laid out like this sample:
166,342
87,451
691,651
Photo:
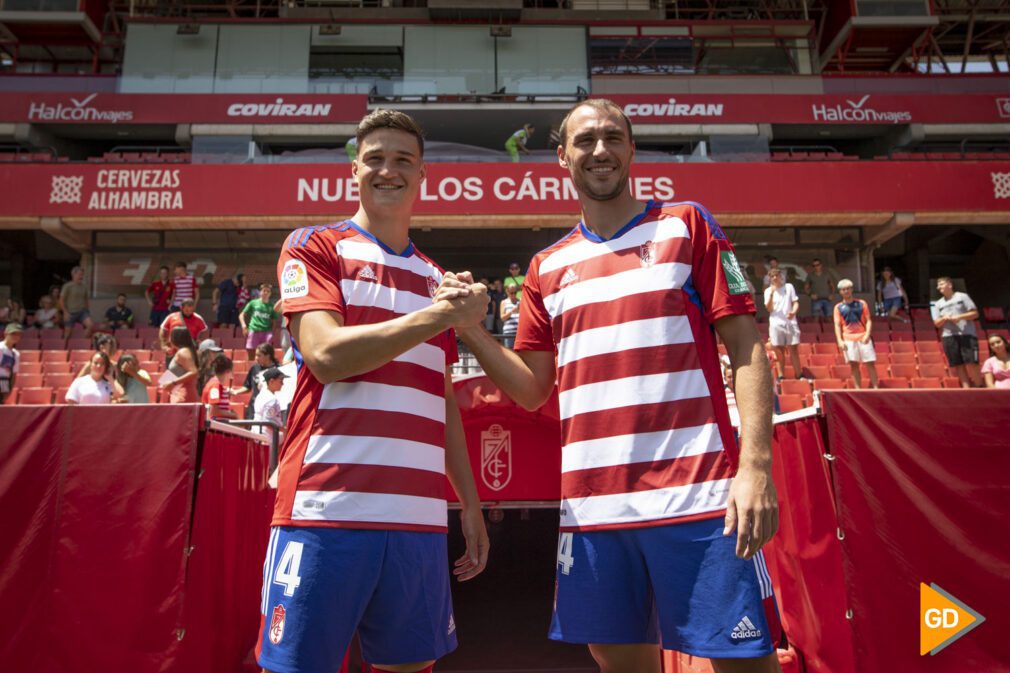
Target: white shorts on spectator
857,351
784,333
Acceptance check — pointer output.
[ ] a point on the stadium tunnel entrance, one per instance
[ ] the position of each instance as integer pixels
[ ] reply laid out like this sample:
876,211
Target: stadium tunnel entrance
503,615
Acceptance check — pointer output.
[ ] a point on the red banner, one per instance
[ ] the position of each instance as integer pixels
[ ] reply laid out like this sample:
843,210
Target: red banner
95,533
815,109
515,454
35,190
111,108
921,479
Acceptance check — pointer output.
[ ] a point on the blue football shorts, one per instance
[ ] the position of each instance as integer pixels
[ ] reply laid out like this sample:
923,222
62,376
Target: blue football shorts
680,585
321,585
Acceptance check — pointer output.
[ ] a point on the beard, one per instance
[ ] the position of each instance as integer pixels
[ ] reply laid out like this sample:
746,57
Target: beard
586,187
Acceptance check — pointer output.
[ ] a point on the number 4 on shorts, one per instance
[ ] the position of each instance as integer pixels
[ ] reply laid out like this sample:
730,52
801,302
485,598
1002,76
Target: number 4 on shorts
565,557
286,574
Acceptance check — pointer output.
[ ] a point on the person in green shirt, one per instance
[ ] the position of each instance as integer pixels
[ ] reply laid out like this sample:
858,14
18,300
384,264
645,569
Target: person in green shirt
257,318
517,142
516,278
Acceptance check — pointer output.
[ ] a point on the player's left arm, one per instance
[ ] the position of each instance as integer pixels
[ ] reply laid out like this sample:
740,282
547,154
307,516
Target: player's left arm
457,469
752,509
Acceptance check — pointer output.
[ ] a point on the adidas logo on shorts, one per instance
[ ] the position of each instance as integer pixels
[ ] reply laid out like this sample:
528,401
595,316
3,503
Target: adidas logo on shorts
367,274
745,629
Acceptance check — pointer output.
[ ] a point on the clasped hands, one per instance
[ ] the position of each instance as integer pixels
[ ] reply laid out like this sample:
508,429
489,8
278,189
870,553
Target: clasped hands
465,300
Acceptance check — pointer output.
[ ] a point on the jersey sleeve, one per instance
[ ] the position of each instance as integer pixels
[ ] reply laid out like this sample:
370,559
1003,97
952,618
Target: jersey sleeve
969,303
309,274
718,278
534,332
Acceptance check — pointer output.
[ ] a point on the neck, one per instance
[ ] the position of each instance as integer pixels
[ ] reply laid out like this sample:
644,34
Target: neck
605,218
392,229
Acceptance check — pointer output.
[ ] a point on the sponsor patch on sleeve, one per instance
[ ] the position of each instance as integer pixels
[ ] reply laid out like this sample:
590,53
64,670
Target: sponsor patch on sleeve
734,275
294,280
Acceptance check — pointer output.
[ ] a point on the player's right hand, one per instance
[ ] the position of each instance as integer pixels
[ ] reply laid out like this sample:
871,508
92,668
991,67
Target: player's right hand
453,286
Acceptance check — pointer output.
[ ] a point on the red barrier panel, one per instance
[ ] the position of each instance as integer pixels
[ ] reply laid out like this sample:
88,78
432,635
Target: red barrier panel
515,454
804,558
922,485
95,530
230,531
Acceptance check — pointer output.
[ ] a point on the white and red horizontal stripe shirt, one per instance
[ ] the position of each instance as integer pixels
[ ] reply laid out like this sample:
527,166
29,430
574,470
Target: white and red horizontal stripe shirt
646,434
367,451
185,288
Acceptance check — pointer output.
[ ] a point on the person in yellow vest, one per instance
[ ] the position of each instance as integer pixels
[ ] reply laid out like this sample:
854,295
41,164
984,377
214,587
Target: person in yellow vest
517,142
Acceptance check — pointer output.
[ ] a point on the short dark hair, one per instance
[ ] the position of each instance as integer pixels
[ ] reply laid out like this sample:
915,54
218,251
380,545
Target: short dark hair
181,265
267,285
121,294
816,260
165,267
603,104
222,364
390,119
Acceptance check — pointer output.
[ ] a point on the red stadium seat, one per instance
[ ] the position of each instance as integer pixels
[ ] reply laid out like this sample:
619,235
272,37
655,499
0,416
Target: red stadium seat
78,343
894,382
903,347
883,359
826,348
819,372
902,336
928,345
899,326
830,384
131,343
30,367
931,358
993,314
933,370
35,396
237,409
53,344
59,380
59,367
29,380
931,382
789,403
826,360
60,395
12,396
805,349
951,382
840,372
124,333
795,387
903,358
242,399
239,355
904,371
80,357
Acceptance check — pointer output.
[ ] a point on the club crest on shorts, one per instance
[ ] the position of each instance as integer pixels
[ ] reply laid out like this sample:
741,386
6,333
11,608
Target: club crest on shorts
496,457
276,632
432,286
647,253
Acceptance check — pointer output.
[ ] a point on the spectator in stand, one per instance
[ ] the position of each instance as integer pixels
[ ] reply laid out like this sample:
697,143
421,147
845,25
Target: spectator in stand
820,287
891,294
772,264
853,324
783,329
46,315
74,303
15,312
10,359
5,312
509,314
100,343
996,369
496,293
265,359
159,296
120,315
517,142
244,294
97,386
206,354
217,393
133,380
225,300
515,277
955,314
268,407
179,379
489,317
351,148
185,287
186,317
258,318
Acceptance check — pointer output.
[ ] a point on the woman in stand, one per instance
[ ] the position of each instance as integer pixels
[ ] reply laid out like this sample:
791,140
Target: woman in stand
97,386
182,388
891,293
996,369
133,380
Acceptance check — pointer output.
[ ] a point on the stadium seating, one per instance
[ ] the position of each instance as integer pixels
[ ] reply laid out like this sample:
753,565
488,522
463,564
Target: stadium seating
789,403
795,387
894,382
35,396
29,380
933,382
33,367
830,384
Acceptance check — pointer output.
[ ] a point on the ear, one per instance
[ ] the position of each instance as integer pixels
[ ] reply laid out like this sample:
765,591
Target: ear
354,169
424,171
561,157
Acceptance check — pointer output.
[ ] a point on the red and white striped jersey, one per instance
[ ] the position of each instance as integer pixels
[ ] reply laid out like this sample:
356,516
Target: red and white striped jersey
367,451
185,288
645,428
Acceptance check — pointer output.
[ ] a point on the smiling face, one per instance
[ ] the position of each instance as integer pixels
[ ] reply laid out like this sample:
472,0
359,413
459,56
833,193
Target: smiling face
997,346
945,287
598,152
389,170
97,366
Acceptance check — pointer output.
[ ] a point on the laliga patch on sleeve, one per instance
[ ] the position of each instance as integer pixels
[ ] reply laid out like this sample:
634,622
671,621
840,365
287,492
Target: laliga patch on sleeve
294,280
734,275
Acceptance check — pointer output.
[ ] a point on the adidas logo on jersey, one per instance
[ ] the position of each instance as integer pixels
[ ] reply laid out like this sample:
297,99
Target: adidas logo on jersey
367,274
569,277
745,629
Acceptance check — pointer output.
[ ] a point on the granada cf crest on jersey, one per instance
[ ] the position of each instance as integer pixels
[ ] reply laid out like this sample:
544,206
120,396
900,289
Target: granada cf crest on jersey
432,286
647,253
496,457
277,625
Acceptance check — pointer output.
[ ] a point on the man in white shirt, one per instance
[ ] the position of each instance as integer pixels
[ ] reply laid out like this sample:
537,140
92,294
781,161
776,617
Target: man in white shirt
267,407
10,359
783,329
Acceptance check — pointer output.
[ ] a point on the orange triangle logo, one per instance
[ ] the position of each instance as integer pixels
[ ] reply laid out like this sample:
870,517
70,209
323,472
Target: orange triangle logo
942,619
